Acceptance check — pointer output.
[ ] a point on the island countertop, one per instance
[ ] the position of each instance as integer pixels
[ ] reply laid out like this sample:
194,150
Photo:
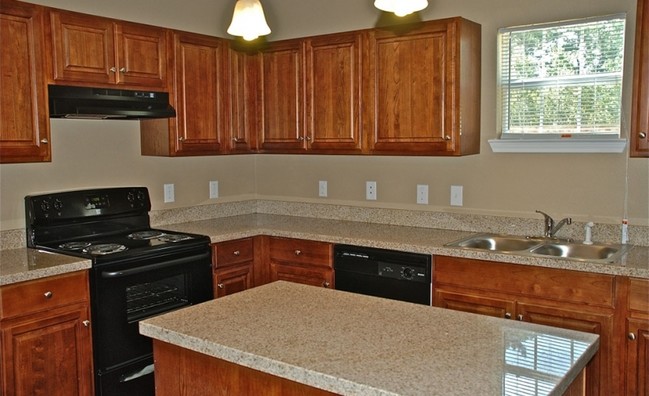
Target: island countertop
354,344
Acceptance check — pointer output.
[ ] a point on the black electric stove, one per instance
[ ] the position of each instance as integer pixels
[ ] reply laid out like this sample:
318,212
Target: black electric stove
137,272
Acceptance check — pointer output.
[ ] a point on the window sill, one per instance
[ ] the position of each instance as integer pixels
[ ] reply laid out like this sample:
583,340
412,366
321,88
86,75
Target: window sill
558,146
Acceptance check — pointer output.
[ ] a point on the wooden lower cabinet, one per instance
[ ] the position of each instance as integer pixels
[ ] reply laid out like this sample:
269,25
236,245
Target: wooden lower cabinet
301,261
233,264
637,338
46,337
546,296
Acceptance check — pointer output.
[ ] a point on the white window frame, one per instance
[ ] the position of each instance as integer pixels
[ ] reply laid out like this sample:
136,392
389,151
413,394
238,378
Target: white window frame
554,142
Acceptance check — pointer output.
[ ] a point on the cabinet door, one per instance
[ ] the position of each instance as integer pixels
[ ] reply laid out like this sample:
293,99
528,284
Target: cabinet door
231,280
141,55
333,84
467,302
48,354
282,97
409,90
637,347
599,371
314,276
640,116
244,84
200,94
83,48
24,123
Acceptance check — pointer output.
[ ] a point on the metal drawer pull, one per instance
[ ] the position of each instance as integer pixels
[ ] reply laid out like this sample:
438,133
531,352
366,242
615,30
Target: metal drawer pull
45,141
325,284
86,323
220,285
519,317
48,294
631,336
642,135
298,252
236,253
508,315
146,268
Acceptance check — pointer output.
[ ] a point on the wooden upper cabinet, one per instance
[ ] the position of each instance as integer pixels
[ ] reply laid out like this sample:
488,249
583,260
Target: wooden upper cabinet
91,50
333,86
24,123
422,89
640,116
244,83
199,97
281,97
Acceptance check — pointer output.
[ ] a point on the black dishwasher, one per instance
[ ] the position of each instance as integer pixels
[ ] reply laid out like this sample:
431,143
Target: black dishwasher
384,273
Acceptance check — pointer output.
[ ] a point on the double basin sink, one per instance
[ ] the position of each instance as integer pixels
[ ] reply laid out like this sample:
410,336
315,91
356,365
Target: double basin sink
542,247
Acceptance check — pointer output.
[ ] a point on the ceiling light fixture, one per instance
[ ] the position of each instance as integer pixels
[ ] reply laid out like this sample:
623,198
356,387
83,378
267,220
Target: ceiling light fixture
401,7
248,20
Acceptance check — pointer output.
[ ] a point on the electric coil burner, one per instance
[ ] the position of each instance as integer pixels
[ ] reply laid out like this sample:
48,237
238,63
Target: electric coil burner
137,272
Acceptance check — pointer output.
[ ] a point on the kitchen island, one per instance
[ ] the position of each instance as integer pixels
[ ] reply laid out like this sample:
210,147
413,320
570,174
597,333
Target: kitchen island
318,340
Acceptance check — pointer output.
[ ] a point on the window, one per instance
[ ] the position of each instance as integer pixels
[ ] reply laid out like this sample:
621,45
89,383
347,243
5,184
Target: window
562,81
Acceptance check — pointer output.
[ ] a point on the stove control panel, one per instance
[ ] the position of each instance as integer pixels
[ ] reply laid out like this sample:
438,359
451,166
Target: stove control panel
86,203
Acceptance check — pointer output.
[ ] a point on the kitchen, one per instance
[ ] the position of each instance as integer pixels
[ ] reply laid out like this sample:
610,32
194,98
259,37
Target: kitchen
89,153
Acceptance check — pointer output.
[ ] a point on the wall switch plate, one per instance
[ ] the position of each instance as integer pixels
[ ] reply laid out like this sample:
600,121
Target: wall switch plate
370,190
169,193
422,194
322,188
214,189
456,195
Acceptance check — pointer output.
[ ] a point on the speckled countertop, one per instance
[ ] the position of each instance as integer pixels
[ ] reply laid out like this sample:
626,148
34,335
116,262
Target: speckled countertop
353,344
414,239
19,265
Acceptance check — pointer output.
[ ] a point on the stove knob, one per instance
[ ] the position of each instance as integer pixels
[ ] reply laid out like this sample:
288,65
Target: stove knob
141,196
407,273
58,205
130,196
45,206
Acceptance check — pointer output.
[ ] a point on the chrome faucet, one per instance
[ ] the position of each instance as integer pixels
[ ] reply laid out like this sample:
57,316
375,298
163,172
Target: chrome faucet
550,228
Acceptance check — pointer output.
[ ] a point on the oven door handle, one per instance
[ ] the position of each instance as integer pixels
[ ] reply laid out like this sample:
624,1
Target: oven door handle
147,268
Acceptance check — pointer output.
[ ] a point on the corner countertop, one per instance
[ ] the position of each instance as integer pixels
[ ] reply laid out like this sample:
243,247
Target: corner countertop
413,239
19,265
353,344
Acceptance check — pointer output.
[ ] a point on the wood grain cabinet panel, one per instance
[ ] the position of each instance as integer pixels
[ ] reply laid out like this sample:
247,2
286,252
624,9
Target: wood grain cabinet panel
233,264
91,50
640,107
637,338
422,89
301,261
24,122
199,97
561,298
46,344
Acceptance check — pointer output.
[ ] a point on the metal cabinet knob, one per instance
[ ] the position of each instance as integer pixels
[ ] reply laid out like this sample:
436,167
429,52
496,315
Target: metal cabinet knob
122,70
236,253
325,284
48,294
447,137
113,69
642,135
308,138
519,317
298,252
301,138
86,323
220,285
508,315
631,336
181,138
236,139
45,141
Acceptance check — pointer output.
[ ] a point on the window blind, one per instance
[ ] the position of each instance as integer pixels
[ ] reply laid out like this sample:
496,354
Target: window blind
562,79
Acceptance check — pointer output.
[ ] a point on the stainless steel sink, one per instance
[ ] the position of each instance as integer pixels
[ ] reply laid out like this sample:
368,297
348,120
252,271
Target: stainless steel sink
542,247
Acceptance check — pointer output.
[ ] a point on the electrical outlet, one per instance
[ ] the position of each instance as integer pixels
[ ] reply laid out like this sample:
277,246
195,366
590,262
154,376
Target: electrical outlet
370,190
169,193
422,194
214,189
456,195
322,188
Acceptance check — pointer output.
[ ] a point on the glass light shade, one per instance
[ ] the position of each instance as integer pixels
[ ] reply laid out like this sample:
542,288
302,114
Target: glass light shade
401,7
248,20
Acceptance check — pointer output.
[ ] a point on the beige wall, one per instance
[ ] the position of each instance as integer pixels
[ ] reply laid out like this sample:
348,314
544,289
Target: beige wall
585,186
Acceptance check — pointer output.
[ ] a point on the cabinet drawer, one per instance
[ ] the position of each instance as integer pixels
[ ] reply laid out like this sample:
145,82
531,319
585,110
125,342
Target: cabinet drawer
639,295
299,251
38,295
232,252
523,280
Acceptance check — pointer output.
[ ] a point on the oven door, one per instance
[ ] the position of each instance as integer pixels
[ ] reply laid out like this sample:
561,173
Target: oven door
125,292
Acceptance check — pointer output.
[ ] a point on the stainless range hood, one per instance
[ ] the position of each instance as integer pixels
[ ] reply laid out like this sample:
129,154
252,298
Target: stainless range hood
107,103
